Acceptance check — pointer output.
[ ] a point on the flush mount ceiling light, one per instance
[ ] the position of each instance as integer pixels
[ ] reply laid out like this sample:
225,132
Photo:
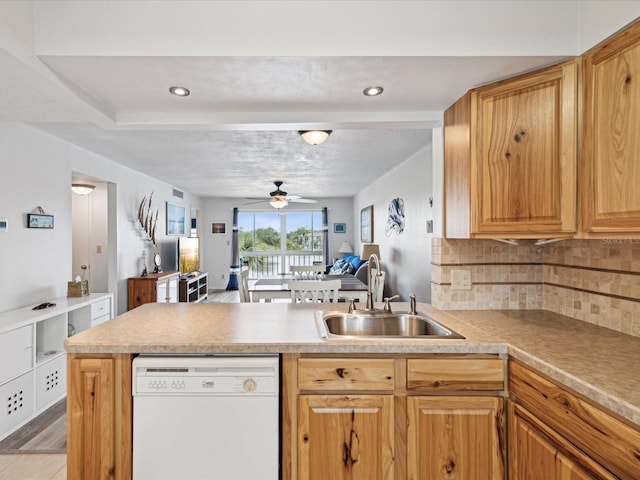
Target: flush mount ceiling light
82,188
373,91
278,203
314,137
179,91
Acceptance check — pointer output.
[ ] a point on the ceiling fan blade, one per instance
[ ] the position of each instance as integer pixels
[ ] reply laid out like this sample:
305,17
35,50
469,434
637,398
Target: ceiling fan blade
302,200
257,201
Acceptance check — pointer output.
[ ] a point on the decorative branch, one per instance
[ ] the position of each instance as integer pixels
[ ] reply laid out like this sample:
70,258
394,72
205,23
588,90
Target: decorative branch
147,219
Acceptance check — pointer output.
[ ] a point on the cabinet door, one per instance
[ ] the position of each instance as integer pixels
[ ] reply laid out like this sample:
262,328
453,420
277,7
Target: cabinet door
537,452
345,437
99,416
611,144
455,437
524,153
141,292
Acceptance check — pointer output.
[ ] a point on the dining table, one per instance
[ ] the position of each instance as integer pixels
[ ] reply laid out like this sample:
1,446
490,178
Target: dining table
270,288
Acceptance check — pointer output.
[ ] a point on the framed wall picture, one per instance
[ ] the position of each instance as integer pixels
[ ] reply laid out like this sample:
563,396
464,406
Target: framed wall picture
175,219
218,228
366,224
339,228
37,220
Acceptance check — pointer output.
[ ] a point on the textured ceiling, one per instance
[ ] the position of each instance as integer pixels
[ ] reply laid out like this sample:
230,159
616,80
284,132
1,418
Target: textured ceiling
237,131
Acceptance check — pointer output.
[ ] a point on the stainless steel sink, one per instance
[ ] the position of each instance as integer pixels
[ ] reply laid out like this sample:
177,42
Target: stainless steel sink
381,324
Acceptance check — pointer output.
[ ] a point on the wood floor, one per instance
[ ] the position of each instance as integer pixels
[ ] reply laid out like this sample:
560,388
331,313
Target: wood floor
47,433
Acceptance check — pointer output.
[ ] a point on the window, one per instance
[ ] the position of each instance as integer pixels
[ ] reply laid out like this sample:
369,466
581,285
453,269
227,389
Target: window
269,242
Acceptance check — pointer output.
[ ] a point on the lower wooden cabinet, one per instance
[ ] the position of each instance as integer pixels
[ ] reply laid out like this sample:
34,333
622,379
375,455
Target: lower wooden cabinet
345,437
455,437
555,434
535,452
99,417
369,418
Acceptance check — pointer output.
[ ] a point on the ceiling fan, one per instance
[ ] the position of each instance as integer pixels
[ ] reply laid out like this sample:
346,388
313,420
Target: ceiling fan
278,198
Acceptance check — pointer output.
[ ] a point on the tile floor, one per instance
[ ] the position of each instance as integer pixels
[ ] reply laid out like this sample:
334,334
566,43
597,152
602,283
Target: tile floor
36,466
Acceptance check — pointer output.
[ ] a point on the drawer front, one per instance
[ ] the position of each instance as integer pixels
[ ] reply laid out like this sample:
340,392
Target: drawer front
320,374
101,308
99,320
51,381
16,352
609,441
451,375
17,402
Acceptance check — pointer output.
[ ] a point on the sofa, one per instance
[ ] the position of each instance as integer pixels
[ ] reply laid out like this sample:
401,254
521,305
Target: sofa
354,265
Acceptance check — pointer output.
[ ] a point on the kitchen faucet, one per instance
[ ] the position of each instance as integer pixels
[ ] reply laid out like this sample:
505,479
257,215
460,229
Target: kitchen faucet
373,256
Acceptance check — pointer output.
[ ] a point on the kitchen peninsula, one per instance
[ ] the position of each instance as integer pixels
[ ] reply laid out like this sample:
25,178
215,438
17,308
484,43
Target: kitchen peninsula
588,376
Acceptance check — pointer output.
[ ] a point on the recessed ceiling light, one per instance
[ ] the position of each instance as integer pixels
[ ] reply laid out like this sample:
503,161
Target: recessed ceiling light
372,91
179,91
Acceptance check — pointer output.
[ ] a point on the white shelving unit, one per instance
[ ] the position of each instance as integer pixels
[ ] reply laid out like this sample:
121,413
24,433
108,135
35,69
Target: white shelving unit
33,362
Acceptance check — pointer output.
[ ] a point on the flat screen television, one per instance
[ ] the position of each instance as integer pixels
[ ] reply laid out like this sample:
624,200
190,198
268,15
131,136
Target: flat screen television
188,254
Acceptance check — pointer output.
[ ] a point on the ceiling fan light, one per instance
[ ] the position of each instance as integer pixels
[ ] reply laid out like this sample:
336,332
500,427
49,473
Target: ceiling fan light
278,203
82,188
314,137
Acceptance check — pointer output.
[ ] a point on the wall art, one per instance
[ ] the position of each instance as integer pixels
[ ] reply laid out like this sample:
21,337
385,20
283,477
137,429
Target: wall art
395,218
339,228
175,219
366,224
218,228
38,220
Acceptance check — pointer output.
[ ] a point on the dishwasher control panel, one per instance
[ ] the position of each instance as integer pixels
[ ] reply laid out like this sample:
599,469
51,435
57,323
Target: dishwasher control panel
218,375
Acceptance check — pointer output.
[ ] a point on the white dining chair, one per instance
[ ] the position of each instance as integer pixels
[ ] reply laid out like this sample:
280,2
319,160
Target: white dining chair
300,272
243,285
377,284
316,291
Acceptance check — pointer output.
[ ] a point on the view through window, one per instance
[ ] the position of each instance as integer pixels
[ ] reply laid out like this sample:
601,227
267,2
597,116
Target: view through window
270,242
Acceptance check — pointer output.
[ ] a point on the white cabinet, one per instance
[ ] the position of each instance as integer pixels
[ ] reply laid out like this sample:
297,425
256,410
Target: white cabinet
51,381
16,352
33,362
100,312
17,402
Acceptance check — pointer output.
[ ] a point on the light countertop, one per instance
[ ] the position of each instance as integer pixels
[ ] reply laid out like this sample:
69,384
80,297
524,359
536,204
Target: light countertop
599,363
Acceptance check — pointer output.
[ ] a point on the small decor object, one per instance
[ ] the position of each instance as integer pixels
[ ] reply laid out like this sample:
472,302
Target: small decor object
78,288
218,228
4,225
339,228
143,261
395,219
37,220
148,219
366,224
175,219
157,260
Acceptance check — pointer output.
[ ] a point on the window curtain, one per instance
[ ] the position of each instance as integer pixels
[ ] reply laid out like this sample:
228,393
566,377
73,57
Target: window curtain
325,235
235,254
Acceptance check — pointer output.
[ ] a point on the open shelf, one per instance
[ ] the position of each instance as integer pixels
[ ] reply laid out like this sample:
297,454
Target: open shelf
194,289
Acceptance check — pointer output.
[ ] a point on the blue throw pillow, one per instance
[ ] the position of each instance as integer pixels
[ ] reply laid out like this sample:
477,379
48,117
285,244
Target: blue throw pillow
339,267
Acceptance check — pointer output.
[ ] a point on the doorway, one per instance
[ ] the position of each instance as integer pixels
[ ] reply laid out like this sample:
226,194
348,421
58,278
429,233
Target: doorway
94,235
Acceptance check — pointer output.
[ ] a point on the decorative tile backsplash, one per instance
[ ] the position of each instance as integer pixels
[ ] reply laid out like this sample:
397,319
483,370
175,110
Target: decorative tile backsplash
597,281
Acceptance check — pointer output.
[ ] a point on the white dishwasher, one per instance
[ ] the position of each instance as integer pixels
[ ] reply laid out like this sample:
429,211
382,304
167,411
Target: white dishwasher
206,417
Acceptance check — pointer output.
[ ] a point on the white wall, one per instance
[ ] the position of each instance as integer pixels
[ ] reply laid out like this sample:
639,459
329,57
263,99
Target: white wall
600,19
406,257
218,247
35,265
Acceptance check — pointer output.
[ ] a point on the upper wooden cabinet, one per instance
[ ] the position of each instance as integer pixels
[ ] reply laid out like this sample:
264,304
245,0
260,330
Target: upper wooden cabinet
510,157
610,196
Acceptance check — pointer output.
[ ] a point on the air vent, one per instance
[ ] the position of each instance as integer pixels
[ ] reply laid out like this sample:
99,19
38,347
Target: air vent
177,193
